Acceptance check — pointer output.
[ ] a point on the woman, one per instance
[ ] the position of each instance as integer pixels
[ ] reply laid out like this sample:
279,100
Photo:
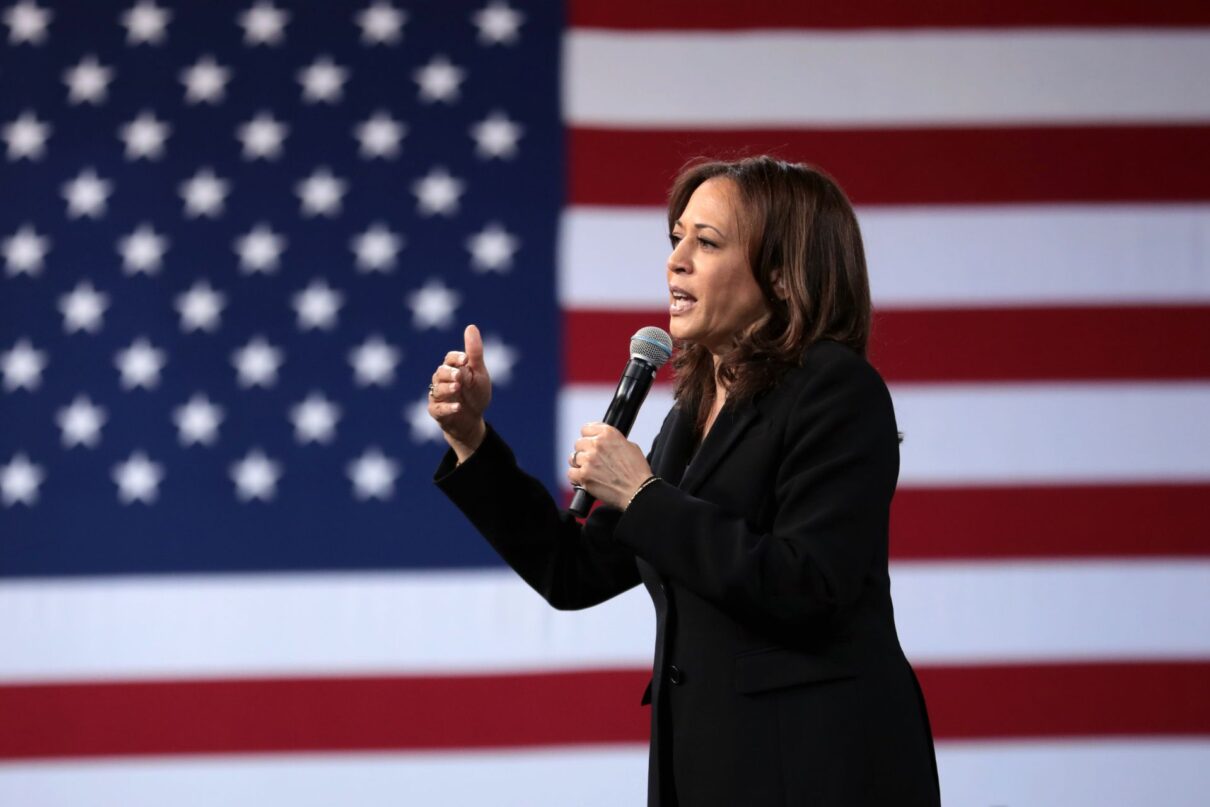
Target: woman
758,522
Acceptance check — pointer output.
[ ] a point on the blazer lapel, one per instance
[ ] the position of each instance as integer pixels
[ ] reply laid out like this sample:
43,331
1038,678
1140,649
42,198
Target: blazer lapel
727,428
674,453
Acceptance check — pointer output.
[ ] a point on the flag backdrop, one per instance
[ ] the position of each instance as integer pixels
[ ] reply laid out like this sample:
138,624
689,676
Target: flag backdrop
236,238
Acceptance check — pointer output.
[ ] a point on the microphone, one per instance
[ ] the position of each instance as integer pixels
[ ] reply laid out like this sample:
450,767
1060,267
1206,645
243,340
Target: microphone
650,349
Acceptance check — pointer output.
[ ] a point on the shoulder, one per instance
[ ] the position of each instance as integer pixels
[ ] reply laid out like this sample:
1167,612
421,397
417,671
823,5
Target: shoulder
829,365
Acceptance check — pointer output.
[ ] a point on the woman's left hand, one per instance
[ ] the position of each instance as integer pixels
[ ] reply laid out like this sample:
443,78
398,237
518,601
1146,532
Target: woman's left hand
610,467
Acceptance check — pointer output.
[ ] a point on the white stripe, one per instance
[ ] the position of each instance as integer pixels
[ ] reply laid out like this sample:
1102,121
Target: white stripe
592,777
796,78
307,624
1074,773
956,612
938,256
334,624
1001,434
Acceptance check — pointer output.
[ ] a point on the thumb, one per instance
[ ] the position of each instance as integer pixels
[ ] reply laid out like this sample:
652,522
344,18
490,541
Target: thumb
474,347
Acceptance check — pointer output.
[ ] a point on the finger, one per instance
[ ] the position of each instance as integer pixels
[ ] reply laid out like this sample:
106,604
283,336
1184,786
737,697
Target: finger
455,358
447,373
442,410
474,347
585,445
593,429
446,391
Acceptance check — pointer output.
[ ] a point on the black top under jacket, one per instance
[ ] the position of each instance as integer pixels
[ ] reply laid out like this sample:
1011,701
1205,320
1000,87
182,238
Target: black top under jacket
778,676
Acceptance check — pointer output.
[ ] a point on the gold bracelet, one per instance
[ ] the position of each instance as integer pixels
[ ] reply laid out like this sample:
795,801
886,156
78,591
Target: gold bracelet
646,482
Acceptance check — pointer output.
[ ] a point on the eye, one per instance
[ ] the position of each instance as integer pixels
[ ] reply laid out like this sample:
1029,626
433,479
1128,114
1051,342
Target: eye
674,239
707,243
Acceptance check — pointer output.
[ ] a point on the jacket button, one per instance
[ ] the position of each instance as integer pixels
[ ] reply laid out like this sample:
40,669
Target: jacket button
675,675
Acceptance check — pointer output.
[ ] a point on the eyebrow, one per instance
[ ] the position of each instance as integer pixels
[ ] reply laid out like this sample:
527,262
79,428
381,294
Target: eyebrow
701,226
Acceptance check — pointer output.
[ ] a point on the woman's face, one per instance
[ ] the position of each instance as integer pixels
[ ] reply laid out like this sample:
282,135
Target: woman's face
713,293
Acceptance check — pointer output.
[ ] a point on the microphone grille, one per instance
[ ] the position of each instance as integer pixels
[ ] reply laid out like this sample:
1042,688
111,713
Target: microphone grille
653,345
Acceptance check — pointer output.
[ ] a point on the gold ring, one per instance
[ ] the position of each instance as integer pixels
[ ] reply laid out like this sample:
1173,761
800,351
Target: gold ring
574,464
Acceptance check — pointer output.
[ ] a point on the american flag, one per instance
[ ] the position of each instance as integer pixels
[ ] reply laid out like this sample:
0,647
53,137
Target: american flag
236,238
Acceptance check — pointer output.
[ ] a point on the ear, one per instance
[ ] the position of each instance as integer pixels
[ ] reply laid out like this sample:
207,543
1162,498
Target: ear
779,287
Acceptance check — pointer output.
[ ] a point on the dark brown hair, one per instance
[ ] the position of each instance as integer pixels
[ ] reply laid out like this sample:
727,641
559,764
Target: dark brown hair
802,235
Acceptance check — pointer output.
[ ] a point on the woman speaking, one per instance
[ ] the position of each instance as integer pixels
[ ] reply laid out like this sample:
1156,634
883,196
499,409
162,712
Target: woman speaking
758,521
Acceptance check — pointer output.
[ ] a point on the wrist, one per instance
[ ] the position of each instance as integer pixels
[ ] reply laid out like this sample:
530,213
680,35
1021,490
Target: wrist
465,447
651,480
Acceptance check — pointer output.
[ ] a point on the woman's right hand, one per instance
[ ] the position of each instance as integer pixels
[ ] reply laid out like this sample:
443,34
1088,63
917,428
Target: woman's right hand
462,389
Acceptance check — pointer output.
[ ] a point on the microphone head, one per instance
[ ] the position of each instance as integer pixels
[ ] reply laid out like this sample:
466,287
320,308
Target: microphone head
653,345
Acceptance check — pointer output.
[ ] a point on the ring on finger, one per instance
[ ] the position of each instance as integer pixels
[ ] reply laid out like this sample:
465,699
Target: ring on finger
431,392
572,460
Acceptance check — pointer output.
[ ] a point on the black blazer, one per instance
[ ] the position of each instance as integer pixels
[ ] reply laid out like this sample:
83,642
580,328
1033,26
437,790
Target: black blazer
778,676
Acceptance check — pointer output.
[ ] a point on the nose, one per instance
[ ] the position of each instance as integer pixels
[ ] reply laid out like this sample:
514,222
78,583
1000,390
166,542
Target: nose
678,263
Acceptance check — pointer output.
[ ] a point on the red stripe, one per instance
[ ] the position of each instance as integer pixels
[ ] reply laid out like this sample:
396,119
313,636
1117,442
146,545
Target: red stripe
197,717
955,345
1050,522
1049,700
688,15
915,166
460,712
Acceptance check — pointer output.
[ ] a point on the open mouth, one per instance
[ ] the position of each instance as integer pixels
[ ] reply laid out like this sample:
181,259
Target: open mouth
682,302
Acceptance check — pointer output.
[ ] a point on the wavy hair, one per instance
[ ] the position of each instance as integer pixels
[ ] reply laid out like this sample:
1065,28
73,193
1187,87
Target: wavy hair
805,252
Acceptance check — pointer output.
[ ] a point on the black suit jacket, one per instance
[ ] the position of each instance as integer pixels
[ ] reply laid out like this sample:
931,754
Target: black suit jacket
778,676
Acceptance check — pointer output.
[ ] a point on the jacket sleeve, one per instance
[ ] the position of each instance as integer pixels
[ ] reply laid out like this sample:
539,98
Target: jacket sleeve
571,565
832,492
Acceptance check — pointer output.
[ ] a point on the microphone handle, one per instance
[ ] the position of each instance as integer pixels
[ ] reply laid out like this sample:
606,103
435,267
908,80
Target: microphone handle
623,409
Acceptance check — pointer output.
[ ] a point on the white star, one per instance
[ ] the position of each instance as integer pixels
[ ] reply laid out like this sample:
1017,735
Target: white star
27,22
433,305
200,307
81,423
204,194
24,251
317,306
83,308
424,428
437,193
142,251
19,481
439,80
492,249
144,137
323,81
321,193
26,137
264,24
22,366
374,362
140,364
138,479
379,136
197,421
498,23
255,476
262,137
88,81
257,363
373,475
314,419
381,23
376,249
496,136
145,22
206,81
499,359
86,195
259,250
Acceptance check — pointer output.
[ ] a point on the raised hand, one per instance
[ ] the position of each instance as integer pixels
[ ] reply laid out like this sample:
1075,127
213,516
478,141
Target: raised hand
460,393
